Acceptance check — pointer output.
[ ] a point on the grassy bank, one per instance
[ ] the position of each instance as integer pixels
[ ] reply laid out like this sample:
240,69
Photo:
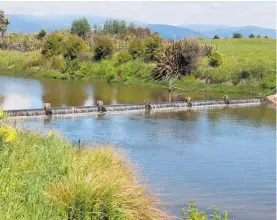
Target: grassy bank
248,66
44,177
243,61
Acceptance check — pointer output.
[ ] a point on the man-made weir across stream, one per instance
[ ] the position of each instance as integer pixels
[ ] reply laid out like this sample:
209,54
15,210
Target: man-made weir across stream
129,107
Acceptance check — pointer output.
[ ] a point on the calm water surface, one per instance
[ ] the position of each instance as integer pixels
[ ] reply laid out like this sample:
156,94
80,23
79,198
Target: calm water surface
24,93
217,156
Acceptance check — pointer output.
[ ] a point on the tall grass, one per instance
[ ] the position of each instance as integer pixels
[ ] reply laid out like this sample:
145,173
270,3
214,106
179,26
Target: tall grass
44,177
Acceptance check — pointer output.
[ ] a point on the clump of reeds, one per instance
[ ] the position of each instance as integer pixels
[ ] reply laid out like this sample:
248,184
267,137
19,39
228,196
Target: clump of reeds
101,185
45,177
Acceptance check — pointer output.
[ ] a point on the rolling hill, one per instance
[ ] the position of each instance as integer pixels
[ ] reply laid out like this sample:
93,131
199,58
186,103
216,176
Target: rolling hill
32,24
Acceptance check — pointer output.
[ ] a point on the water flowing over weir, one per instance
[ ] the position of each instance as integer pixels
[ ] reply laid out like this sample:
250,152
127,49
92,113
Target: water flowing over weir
130,107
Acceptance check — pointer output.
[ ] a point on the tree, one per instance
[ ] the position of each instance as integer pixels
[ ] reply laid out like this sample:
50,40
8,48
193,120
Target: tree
216,37
251,36
80,27
41,34
258,36
4,22
179,58
237,35
265,36
103,47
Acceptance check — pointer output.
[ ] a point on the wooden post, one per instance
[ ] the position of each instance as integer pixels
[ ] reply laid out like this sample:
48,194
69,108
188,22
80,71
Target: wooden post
47,108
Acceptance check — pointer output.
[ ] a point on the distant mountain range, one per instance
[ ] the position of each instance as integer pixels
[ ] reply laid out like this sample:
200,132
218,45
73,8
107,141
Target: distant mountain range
32,24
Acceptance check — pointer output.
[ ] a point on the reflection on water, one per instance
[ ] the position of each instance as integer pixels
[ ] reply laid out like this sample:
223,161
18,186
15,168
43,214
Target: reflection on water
217,156
24,93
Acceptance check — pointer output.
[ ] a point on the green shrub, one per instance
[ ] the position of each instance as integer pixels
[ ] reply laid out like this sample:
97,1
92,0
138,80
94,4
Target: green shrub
269,82
136,48
70,68
193,214
123,57
251,36
153,47
216,37
103,47
215,59
73,46
53,45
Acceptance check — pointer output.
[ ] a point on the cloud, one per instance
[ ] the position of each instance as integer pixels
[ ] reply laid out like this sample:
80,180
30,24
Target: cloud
175,13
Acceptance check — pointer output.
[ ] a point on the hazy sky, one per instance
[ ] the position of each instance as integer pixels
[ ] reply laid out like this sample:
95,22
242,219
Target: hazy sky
174,13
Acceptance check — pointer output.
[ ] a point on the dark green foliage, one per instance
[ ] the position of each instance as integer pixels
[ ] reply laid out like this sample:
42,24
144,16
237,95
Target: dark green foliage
73,46
251,36
215,59
258,36
80,27
53,45
123,57
103,47
153,47
41,34
237,35
136,48
216,37
265,36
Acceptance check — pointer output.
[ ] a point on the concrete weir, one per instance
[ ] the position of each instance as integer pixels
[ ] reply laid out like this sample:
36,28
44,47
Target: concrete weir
146,106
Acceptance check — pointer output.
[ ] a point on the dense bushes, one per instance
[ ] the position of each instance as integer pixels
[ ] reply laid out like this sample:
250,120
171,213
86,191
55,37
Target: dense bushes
73,45
59,44
153,47
269,83
123,57
53,45
103,47
136,48
20,42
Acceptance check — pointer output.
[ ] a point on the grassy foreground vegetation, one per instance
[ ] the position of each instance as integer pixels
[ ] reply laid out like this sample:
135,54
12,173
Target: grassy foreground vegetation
44,177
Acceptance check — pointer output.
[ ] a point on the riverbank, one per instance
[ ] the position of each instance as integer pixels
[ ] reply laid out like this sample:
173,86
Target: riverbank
243,70
49,178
